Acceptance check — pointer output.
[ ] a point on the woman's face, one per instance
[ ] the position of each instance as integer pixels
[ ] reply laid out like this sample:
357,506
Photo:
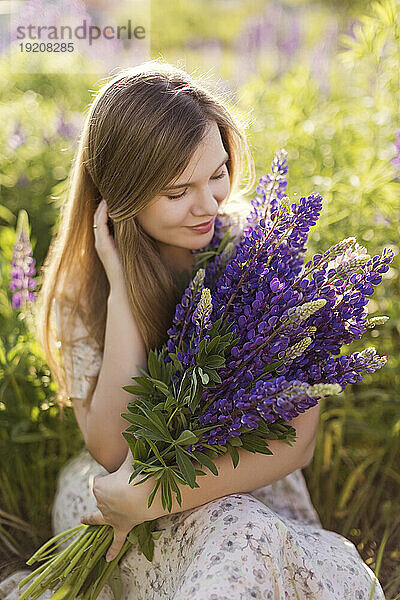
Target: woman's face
190,200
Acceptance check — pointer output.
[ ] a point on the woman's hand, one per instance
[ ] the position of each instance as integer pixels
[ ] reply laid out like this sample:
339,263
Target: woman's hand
105,245
121,505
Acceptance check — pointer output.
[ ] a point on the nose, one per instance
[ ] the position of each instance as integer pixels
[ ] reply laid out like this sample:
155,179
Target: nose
207,204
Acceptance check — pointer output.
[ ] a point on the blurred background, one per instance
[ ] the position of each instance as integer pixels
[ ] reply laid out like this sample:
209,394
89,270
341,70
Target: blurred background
320,79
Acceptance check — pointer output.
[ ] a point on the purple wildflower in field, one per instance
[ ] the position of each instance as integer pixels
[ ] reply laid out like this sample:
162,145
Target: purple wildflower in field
67,126
285,313
23,181
17,137
22,271
395,162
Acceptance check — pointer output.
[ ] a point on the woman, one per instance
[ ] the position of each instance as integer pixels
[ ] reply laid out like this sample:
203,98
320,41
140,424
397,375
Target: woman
158,155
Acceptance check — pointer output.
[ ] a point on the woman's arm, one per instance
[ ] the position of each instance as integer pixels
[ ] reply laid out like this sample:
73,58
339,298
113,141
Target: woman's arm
252,472
123,505
124,349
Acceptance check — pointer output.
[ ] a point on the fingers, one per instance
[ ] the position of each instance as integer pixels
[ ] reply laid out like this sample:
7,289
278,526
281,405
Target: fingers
94,518
116,545
101,214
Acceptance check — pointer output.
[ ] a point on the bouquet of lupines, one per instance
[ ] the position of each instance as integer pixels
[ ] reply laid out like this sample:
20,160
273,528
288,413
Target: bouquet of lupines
255,341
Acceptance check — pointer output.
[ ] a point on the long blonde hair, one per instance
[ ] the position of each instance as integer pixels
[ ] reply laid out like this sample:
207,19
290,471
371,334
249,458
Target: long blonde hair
139,134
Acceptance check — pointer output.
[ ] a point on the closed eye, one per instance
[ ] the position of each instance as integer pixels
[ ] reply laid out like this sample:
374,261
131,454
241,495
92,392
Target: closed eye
220,176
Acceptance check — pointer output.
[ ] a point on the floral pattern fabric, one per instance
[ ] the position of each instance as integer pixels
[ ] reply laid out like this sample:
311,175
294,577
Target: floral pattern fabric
267,544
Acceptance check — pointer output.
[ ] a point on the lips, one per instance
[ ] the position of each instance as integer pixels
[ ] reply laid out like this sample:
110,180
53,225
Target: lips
201,224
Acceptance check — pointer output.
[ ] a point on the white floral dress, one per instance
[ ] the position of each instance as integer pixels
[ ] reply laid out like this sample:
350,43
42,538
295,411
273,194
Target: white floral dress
265,545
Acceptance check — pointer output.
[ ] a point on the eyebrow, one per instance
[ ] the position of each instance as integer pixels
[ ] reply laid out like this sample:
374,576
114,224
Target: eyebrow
189,184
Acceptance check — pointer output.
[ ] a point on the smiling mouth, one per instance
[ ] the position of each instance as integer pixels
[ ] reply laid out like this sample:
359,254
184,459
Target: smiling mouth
201,224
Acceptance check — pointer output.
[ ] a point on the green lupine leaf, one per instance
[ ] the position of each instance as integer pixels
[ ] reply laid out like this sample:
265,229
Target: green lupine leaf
178,477
194,384
140,450
142,535
132,537
196,392
211,451
2,353
131,441
148,547
184,386
255,445
186,437
170,403
146,433
215,377
203,376
213,344
200,473
177,363
141,480
225,240
156,452
166,495
234,455
235,441
163,387
142,379
137,389
150,421
149,386
194,402
175,487
272,436
205,460
153,493
214,361
202,346
159,420
186,466
153,364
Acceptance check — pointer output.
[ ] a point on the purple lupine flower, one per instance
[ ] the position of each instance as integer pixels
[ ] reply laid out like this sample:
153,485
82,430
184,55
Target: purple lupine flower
23,269
202,314
284,312
289,41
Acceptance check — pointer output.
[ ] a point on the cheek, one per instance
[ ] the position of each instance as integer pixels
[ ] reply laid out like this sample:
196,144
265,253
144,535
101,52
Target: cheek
223,188
170,216
173,213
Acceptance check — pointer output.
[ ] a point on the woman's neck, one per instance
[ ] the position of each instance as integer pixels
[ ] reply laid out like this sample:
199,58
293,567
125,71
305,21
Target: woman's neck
178,259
